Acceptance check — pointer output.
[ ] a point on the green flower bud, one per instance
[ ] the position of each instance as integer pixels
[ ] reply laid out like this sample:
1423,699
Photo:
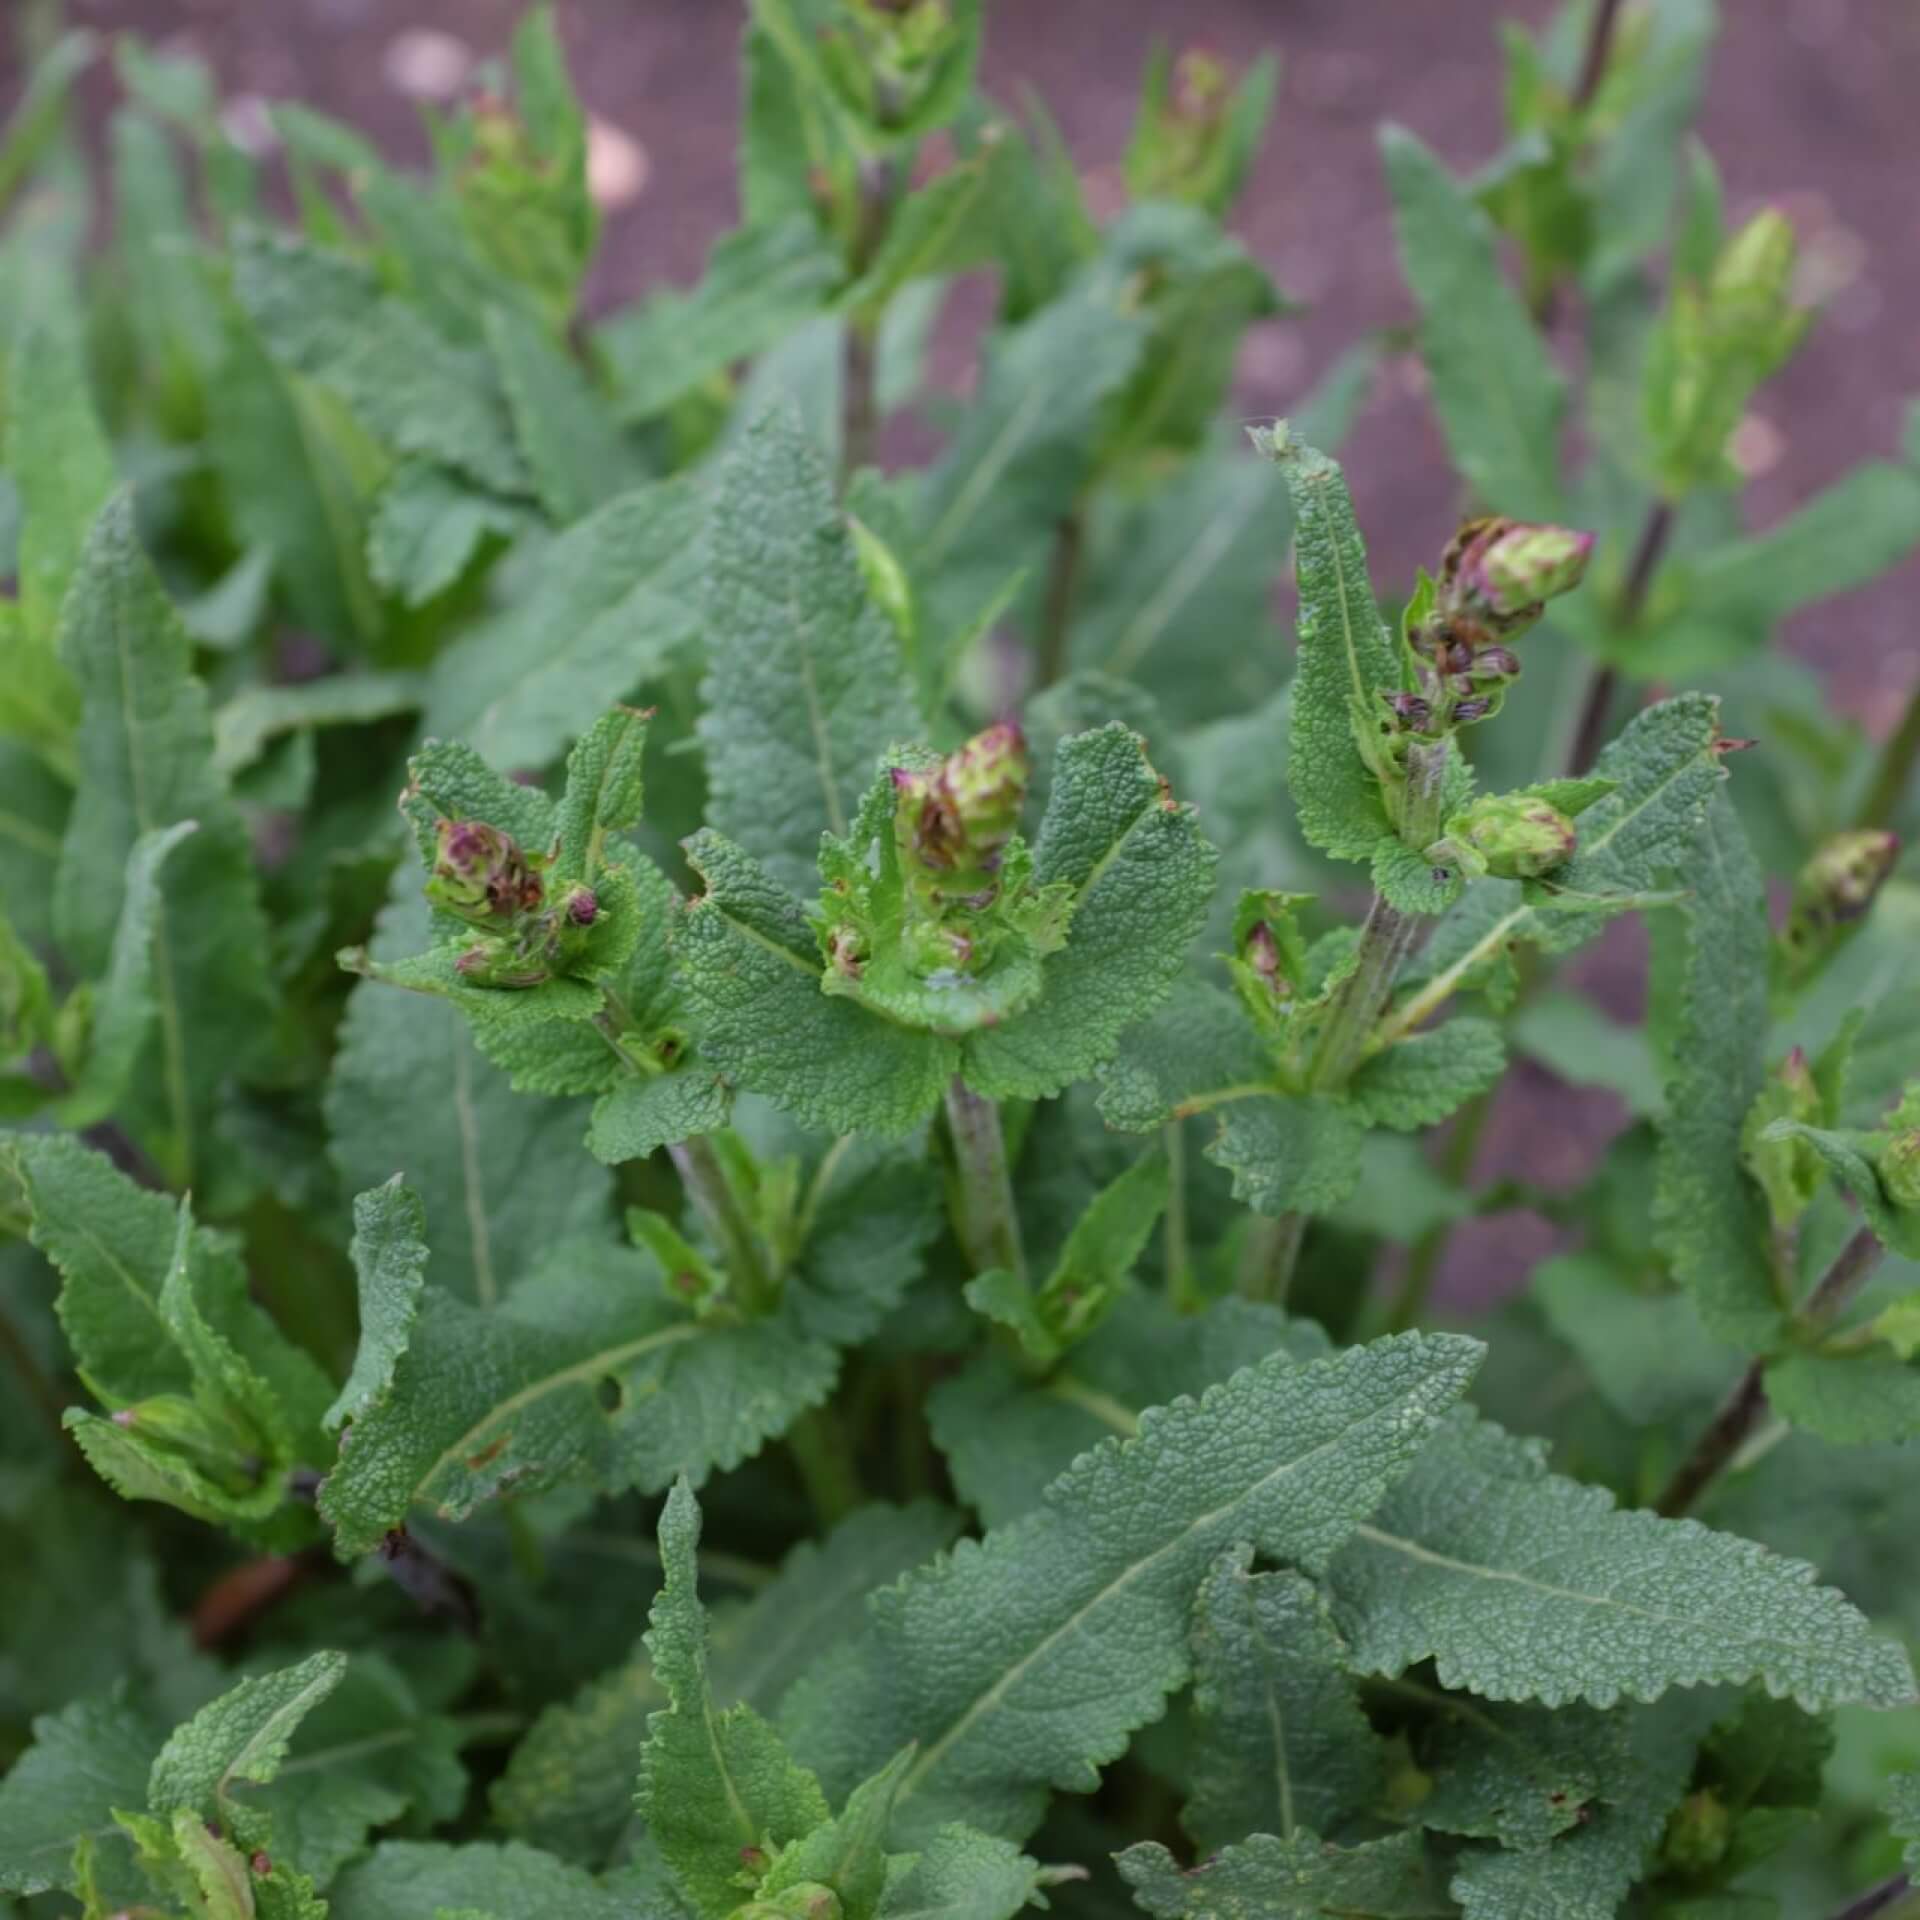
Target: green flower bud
480,874
1757,263
988,781
809,1900
1518,836
1698,1834
1506,570
1899,1169
211,1445
1833,893
1789,1172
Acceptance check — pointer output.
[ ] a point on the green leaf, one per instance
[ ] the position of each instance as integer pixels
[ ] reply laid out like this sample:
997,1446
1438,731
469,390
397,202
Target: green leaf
847,1855
574,453
145,751
961,1875
1495,387
1853,1399
1709,1214
761,283
712,1784
1903,1816
1139,875
1643,1760
241,1737
406,1879
944,227
1024,448
1279,1740
428,524
125,1004
1023,1663
1269,1877
1290,1153
606,608
115,1245
750,966
1845,1157
1516,1774
87,1759
500,1175
1201,1044
589,1369
1523,1585
389,1253
807,686
1417,1082
59,460
248,724
366,1756
1006,1436
1346,660
35,118
324,316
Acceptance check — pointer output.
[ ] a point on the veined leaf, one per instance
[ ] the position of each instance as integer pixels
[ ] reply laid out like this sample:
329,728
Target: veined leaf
145,749
961,1874
1023,1662
713,1785
408,1879
1267,1878
1346,660
808,687
1419,1081
390,1258
1903,1815
428,524
1279,1740
1709,1214
1494,383
85,1760
1480,1537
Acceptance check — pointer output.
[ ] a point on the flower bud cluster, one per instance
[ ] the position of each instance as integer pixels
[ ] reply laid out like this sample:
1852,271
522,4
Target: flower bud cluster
482,876
952,827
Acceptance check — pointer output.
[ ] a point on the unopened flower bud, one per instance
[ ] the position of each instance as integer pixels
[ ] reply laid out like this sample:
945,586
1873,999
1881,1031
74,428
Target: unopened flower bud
1788,1170
1524,566
1519,836
1699,1833
1409,709
1899,1169
505,963
1757,263
1261,951
988,781
1495,663
1468,711
480,874
1842,878
583,909
261,1863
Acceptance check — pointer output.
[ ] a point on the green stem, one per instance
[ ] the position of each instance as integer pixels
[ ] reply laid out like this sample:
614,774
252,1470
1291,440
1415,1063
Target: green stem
1271,1253
714,1199
1744,1408
1892,1898
1894,768
984,1217
876,191
825,1463
1593,62
1063,586
1176,1254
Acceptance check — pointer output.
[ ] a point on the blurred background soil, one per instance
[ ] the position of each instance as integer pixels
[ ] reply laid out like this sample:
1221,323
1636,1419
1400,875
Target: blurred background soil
1809,104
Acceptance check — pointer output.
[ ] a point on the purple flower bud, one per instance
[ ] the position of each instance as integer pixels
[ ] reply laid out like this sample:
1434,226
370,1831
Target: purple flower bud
1844,876
480,874
582,907
1468,711
1409,709
1495,663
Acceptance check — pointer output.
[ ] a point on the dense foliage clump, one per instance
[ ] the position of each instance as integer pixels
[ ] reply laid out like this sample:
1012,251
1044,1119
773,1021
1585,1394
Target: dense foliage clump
802,1289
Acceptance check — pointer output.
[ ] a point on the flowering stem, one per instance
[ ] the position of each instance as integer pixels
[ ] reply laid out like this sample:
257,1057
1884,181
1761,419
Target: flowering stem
1603,682
1063,585
984,1216
875,193
713,1198
1894,769
1744,1407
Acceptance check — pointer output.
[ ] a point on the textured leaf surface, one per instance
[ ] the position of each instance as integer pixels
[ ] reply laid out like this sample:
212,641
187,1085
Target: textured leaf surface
1269,1877
1346,660
324,316
1023,1662
606,607
501,1176
1279,1741
389,1254
1522,1585
713,1784
87,1759
406,1879
751,968
1495,388
146,749
1903,1815
242,1736
1006,1437
1290,1153
1710,1216
587,1369
1419,1081
1140,875
807,686
1643,1763
962,1875
1853,1400
1516,1774
428,524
